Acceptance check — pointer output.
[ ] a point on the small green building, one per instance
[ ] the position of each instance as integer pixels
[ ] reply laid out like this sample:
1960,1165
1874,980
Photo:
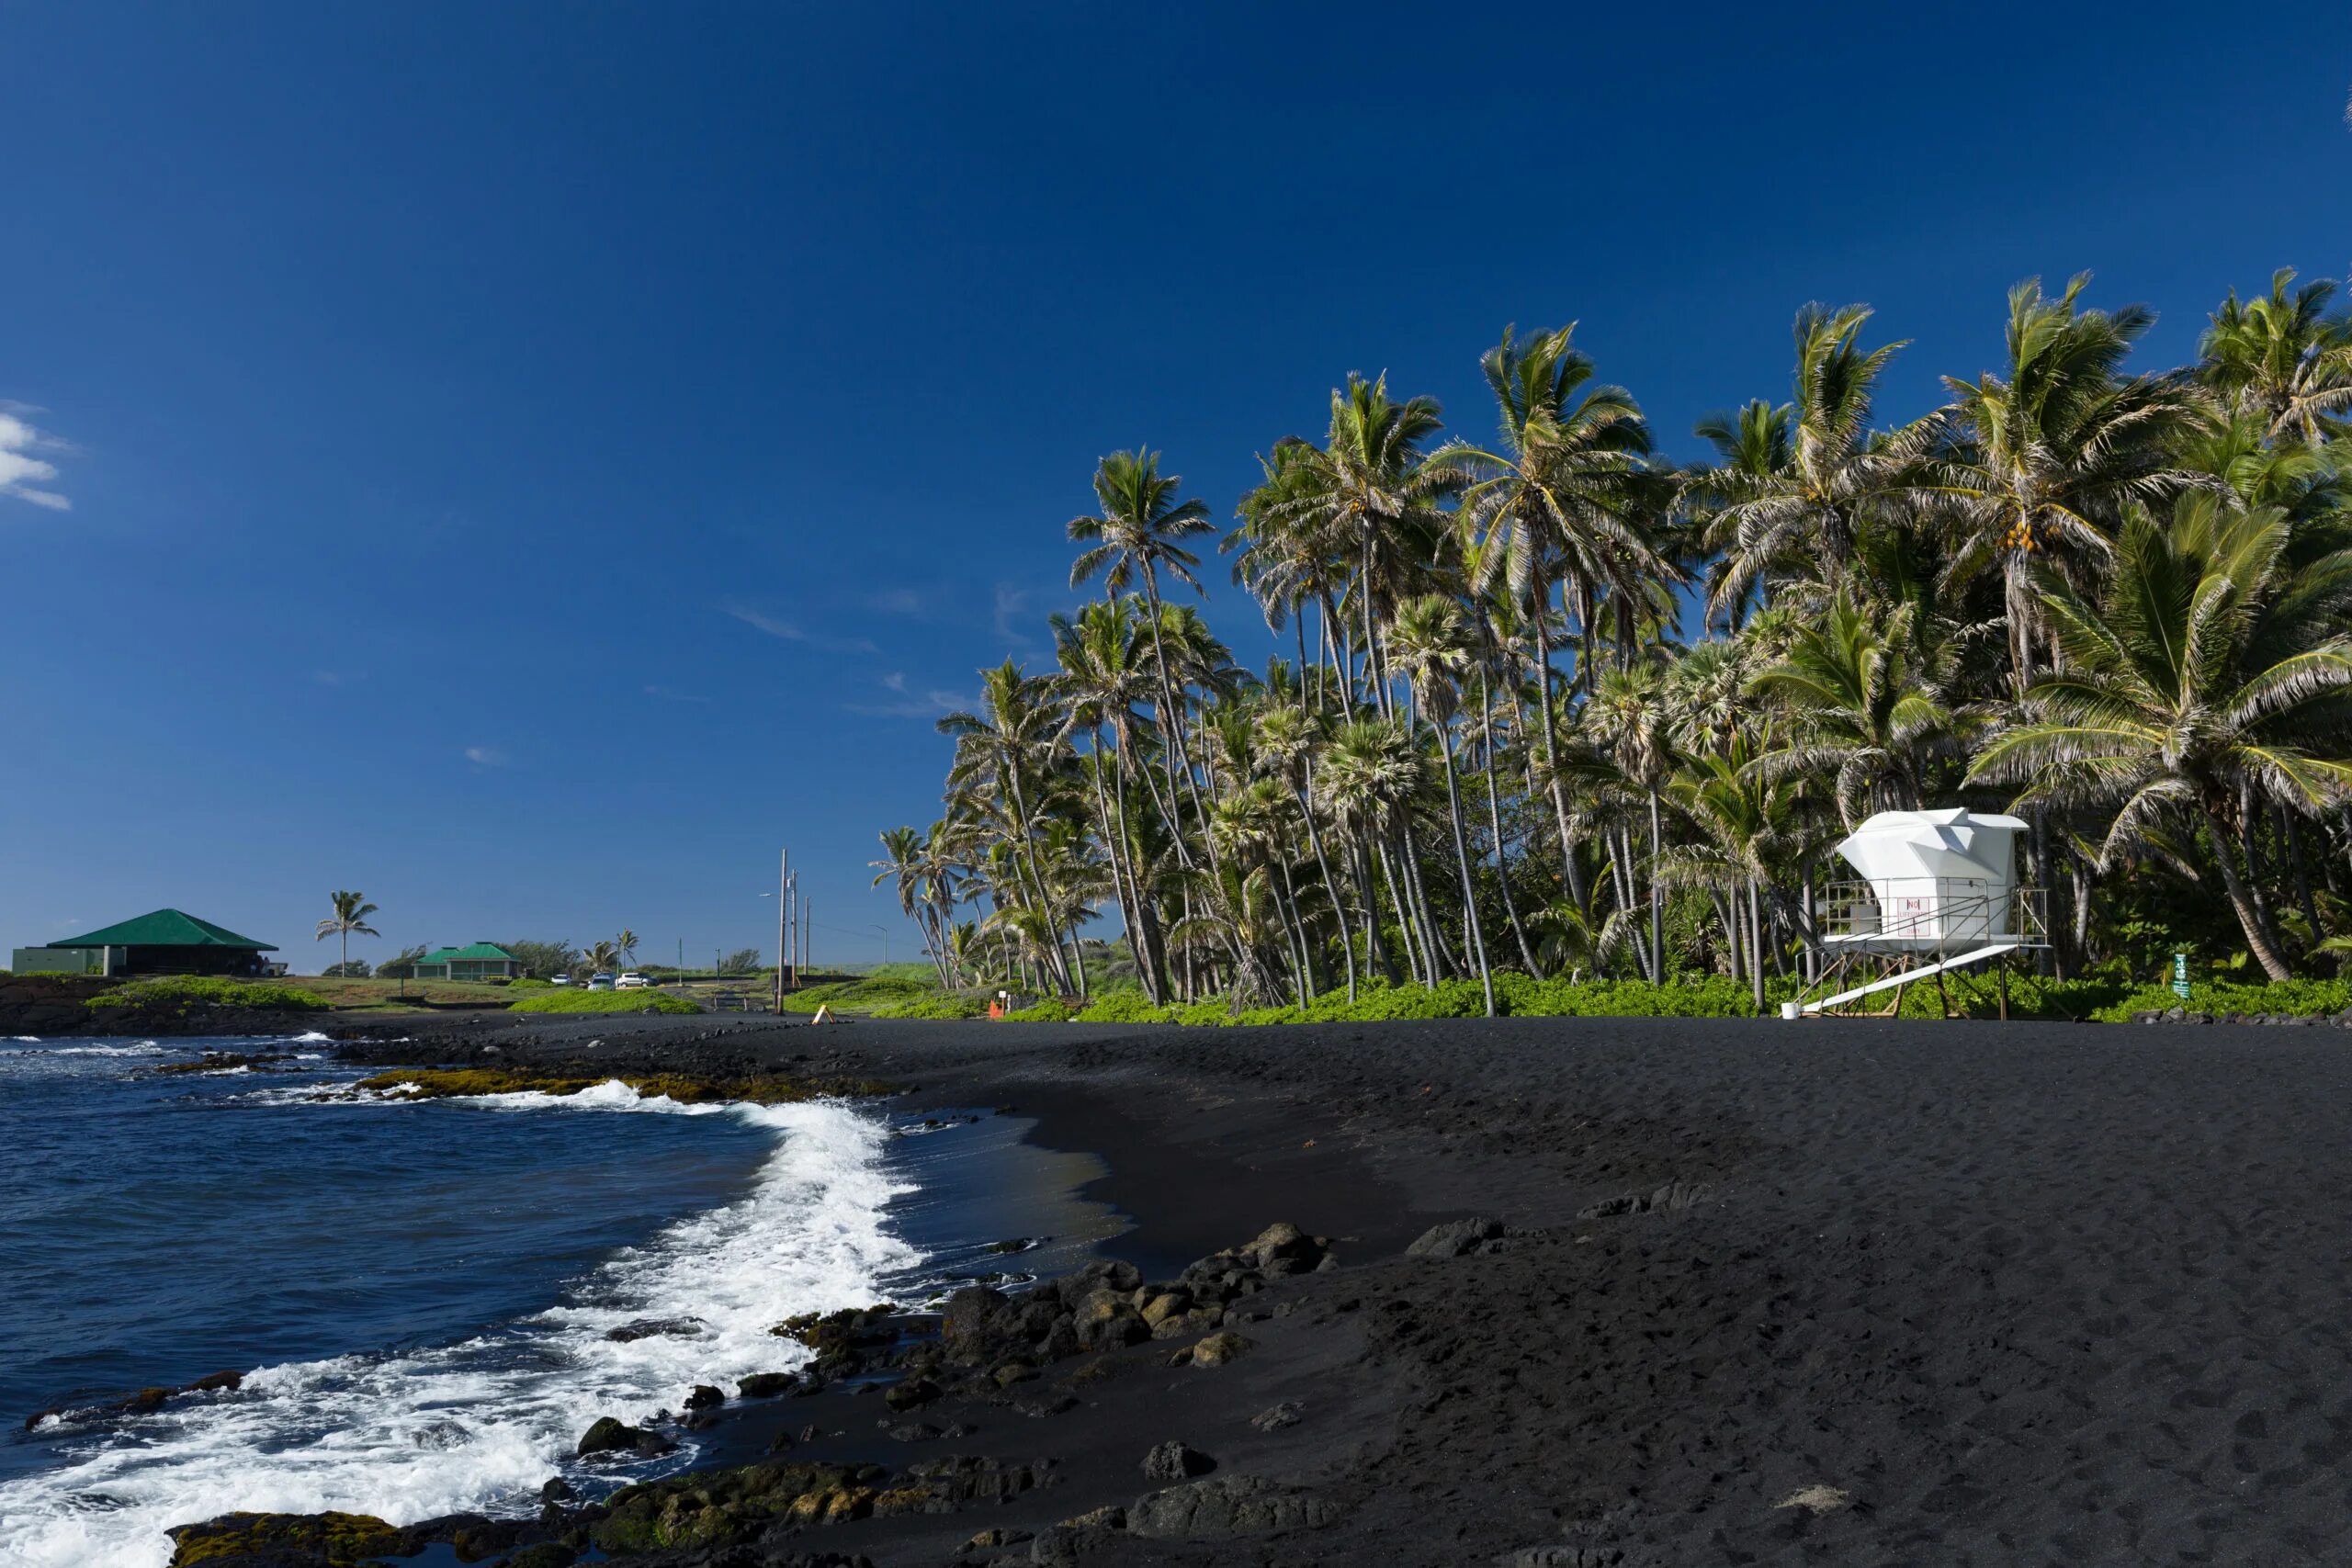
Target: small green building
482,961
165,942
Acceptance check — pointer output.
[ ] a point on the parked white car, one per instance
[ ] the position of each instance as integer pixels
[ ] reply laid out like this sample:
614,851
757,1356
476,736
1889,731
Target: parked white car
560,980
600,982
632,981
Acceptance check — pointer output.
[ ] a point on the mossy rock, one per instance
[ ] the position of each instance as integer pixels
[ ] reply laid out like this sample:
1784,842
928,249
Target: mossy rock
329,1539
763,1088
725,1507
837,1333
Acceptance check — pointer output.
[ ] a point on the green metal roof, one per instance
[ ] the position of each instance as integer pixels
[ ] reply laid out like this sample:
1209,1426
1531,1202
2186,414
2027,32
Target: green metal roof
167,927
485,949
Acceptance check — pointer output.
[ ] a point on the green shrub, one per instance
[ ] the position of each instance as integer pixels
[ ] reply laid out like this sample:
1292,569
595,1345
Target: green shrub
528,983
1047,1012
555,999
1125,1005
210,990
2303,999
869,992
935,1006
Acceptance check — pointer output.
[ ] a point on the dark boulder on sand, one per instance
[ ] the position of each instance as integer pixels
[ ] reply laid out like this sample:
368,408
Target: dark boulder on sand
1226,1507
1173,1460
765,1385
1456,1238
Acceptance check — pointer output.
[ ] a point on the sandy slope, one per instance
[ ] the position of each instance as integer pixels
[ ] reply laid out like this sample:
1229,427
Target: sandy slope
1977,1294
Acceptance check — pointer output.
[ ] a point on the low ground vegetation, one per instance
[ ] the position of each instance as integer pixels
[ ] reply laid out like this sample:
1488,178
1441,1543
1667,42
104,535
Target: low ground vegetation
554,999
182,992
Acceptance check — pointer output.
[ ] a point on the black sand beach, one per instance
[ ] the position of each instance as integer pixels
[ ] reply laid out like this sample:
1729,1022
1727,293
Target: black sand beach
1854,1293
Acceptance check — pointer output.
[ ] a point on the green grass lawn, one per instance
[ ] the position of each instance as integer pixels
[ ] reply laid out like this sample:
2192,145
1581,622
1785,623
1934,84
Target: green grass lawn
566,999
390,996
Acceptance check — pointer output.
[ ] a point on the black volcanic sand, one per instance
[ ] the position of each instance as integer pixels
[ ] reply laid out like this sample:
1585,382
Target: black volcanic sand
1912,1293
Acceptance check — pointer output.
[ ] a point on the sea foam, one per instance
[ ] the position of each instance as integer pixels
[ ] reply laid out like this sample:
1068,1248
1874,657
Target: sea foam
479,1425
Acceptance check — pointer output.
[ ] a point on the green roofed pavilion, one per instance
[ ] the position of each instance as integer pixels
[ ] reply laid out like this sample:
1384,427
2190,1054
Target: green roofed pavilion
168,942
481,960
167,927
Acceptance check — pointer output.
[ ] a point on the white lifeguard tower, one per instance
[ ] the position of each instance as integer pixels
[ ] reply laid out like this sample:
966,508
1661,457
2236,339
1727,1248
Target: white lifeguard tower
1938,891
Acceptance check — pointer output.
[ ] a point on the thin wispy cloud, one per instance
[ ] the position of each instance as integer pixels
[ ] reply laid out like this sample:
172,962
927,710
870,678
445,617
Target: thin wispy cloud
485,757
931,703
898,601
23,474
668,695
792,631
1012,616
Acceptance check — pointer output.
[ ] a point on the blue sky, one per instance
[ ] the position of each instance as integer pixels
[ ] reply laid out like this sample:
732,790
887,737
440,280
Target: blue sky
529,462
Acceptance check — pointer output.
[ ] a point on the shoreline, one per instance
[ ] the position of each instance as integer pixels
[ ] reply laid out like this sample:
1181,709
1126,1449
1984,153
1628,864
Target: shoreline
1863,1291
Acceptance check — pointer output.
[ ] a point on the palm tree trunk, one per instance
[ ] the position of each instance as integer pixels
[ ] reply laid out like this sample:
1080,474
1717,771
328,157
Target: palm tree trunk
1657,903
2289,837
1309,958
1404,925
1756,929
1461,860
1376,946
1417,898
1110,847
1330,885
2273,965
1502,864
1551,737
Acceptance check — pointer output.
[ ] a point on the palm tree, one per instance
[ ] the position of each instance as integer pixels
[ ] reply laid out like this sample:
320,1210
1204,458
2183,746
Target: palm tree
351,912
2040,460
1001,749
1755,449
1427,643
1798,484
625,946
2282,357
1104,680
1140,534
903,864
1628,719
1555,500
1868,713
1285,740
2182,699
1740,816
1368,776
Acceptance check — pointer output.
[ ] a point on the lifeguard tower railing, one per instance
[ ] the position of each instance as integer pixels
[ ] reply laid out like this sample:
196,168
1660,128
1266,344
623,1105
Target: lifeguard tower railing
1889,933
1936,915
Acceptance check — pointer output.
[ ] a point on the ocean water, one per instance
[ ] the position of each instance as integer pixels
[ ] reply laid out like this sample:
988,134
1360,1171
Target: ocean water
419,1294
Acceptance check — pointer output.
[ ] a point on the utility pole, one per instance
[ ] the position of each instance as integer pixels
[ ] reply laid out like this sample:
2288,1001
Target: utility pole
804,930
793,934
782,920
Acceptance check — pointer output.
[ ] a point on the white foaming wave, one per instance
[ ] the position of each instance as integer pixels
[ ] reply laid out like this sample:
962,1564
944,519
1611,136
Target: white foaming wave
312,1037
142,1048
478,1425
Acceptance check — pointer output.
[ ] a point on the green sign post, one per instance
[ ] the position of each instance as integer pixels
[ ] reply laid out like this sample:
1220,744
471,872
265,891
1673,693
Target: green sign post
2180,975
